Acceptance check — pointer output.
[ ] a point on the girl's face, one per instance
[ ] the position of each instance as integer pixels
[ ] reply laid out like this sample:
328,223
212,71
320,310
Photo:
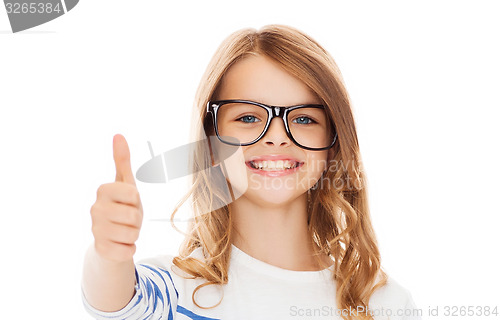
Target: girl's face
259,79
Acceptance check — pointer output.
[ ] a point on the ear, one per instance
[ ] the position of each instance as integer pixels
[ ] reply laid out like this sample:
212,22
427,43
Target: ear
213,155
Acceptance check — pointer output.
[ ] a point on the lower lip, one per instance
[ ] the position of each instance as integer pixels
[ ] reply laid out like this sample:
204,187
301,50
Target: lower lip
277,173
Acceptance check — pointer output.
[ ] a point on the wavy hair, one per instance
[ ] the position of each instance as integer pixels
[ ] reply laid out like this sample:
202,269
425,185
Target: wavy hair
338,214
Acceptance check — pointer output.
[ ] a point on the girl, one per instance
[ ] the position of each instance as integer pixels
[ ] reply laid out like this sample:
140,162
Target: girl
290,237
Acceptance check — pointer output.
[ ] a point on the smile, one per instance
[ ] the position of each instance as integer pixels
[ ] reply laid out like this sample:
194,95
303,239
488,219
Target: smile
274,168
268,165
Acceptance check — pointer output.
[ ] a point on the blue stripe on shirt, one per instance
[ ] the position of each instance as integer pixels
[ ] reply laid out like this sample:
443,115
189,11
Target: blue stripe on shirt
168,274
170,314
191,314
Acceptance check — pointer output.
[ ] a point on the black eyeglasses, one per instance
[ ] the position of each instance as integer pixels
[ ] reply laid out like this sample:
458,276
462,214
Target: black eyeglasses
307,125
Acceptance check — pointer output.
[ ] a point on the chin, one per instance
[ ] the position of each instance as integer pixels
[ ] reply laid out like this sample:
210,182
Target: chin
271,198
273,191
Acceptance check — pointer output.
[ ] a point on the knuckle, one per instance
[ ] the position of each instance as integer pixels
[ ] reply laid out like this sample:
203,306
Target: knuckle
96,231
134,196
129,215
101,190
104,191
138,221
136,234
132,250
133,216
131,193
99,212
95,209
131,234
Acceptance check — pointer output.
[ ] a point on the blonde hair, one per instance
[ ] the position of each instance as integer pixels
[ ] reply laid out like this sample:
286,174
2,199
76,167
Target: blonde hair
338,218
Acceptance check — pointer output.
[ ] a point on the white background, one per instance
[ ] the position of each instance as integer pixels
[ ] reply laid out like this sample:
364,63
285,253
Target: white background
423,77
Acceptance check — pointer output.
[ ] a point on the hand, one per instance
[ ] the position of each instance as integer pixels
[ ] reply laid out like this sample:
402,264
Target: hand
117,213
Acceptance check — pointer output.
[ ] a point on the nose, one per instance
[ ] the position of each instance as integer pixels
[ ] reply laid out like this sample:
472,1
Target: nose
276,134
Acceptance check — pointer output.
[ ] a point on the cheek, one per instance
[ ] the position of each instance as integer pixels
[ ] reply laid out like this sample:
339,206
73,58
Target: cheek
316,165
235,171
232,163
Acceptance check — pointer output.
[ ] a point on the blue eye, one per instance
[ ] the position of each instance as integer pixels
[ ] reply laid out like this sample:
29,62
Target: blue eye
303,120
249,119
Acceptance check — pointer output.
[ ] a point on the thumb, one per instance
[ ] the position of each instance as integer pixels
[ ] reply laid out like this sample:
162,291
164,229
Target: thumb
121,154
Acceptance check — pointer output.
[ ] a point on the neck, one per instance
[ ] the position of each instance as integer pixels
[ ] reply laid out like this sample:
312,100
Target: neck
275,234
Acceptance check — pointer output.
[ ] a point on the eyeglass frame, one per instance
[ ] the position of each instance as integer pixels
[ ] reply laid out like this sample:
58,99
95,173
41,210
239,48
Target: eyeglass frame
279,112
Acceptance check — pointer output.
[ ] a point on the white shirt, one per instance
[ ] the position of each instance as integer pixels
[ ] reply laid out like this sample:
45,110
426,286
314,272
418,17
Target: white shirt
255,290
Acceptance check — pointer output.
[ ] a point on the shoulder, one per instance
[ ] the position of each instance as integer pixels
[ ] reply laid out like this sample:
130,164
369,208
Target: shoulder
392,296
164,262
160,261
392,291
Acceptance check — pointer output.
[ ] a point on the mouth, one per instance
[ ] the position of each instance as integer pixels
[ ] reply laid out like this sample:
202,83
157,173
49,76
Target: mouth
274,168
274,165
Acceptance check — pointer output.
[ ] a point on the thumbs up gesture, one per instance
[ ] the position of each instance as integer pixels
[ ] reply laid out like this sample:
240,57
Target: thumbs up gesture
117,213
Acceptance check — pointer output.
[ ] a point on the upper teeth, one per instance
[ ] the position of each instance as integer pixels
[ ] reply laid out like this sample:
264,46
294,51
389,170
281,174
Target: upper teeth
274,165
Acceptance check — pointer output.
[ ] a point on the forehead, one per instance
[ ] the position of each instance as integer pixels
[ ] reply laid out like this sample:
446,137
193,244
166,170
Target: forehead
258,78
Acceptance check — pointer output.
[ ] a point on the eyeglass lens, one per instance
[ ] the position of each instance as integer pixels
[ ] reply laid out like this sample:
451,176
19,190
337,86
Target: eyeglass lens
246,122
